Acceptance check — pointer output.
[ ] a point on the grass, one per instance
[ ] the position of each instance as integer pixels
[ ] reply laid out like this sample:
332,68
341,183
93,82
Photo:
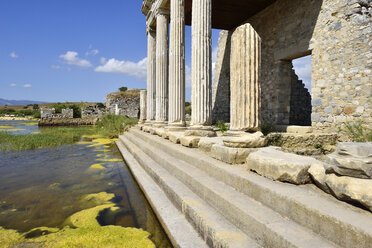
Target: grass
221,125
49,137
110,126
357,131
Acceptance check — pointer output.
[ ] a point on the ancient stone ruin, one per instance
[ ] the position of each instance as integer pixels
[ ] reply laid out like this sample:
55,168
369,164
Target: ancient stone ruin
92,111
124,103
256,202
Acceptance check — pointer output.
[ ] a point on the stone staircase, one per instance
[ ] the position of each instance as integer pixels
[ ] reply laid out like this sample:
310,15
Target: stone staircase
202,202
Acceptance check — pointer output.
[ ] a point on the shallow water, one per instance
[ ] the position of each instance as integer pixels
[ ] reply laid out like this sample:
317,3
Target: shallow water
43,187
19,127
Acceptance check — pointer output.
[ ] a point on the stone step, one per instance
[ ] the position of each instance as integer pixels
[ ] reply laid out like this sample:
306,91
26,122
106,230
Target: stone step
263,224
178,229
341,223
213,227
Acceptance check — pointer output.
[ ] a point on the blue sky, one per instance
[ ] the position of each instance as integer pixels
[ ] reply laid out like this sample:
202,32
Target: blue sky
73,50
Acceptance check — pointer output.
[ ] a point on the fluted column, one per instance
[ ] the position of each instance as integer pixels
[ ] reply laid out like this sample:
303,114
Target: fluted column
143,107
177,64
162,68
245,103
201,68
151,75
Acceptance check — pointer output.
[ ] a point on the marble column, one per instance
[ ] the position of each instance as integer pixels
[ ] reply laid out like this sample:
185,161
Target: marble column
201,68
245,98
177,65
151,75
143,106
162,67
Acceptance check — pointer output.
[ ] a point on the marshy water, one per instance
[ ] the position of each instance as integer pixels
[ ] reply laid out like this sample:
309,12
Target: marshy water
43,187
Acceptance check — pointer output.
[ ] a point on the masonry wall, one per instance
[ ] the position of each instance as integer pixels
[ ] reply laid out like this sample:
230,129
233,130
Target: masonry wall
337,33
128,103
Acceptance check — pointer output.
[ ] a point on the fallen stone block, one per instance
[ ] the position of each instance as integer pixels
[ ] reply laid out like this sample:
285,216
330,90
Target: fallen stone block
352,159
205,144
351,189
318,174
175,137
280,166
230,155
190,141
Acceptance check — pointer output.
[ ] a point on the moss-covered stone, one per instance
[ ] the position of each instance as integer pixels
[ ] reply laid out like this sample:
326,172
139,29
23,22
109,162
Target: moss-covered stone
98,198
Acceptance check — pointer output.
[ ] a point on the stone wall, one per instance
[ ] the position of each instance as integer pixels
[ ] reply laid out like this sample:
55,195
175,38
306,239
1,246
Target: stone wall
124,103
337,33
92,111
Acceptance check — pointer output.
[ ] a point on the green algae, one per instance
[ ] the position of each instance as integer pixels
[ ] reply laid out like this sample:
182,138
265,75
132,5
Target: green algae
101,198
97,167
9,238
102,236
40,231
109,160
88,217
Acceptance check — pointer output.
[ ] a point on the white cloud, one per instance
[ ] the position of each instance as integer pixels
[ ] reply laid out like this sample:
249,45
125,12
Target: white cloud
71,58
13,55
93,52
302,67
55,67
12,85
103,60
27,86
135,69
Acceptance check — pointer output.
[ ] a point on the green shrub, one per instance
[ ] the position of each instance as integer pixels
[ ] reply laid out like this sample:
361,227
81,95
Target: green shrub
266,128
37,114
114,125
35,106
101,105
123,89
357,131
187,104
275,139
221,125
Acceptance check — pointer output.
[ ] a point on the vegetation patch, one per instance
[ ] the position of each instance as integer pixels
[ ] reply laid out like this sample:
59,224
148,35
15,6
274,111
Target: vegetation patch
49,137
113,125
221,125
97,167
83,230
357,131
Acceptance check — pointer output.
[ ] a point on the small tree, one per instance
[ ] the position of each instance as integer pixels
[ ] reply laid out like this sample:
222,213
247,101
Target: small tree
123,89
35,106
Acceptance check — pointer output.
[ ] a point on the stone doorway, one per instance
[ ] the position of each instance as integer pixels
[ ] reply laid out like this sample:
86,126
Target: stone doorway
300,97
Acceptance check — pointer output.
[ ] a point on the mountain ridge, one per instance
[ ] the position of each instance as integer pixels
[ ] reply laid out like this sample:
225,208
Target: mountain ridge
4,102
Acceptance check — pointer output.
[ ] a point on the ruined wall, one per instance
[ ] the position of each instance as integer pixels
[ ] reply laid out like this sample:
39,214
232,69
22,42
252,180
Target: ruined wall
221,84
128,103
342,63
300,103
338,35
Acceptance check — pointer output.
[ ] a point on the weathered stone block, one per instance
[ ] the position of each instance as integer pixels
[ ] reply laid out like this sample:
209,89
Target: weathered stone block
281,166
352,159
230,155
205,144
190,141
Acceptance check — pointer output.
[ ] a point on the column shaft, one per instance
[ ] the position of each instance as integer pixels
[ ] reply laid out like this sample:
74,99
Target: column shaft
162,68
151,75
201,96
143,107
245,65
177,64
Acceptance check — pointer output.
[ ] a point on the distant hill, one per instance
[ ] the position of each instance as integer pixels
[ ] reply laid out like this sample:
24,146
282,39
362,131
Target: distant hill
4,102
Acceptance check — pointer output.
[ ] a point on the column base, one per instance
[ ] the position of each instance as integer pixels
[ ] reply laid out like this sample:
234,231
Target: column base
202,131
176,127
159,124
240,139
149,123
